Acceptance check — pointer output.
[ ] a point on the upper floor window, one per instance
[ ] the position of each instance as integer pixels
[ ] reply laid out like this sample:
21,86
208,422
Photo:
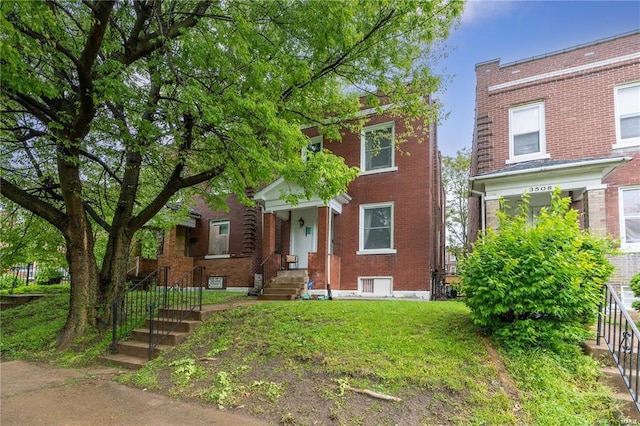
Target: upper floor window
630,218
219,237
314,146
376,228
627,106
527,133
378,148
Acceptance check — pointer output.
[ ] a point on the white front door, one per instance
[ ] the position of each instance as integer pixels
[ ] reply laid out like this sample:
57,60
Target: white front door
304,239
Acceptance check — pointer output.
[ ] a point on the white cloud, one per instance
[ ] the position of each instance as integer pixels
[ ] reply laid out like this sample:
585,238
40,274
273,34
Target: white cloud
485,10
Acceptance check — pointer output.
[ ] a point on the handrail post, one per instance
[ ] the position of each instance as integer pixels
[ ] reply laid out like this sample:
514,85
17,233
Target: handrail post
151,321
201,286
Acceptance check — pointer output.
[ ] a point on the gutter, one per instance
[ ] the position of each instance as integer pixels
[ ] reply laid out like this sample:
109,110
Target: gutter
597,162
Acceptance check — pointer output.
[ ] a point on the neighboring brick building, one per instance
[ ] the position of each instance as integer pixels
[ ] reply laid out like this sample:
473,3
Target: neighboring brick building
570,119
384,237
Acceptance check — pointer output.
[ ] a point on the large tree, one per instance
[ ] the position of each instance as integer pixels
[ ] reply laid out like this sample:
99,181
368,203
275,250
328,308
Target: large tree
455,177
112,110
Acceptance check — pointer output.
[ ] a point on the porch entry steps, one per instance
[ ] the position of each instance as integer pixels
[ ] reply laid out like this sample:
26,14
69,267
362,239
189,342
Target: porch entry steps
286,285
134,353
611,376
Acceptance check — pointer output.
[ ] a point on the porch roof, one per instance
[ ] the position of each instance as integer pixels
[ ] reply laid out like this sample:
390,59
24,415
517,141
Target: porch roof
530,176
271,198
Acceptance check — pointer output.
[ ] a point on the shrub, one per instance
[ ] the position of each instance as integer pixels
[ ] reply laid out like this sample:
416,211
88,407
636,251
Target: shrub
49,275
537,285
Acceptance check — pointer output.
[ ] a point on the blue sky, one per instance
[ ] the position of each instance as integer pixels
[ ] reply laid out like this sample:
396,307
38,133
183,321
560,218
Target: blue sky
512,30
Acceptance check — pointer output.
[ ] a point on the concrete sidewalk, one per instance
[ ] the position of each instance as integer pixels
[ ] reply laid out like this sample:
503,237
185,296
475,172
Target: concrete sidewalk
40,394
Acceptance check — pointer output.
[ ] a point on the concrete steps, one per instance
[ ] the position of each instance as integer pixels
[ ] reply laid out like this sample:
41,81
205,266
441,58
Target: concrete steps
287,285
611,377
134,353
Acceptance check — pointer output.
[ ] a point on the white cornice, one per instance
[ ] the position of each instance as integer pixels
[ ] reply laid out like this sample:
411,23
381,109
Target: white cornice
565,71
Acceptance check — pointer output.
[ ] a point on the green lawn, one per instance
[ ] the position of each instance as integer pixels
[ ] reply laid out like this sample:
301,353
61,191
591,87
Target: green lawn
297,363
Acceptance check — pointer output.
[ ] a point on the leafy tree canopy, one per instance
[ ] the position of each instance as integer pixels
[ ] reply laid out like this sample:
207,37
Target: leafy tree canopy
112,110
455,177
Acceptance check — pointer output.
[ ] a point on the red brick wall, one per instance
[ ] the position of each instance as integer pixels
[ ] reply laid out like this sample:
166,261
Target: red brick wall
236,270
410,189
579,112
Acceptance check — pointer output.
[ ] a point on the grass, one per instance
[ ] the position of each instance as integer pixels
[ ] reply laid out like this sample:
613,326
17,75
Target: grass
295,363
429,354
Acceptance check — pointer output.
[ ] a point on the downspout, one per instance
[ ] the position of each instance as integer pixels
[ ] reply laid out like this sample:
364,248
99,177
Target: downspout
482,208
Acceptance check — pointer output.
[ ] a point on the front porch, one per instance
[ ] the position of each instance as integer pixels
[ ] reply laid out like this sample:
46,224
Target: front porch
304,230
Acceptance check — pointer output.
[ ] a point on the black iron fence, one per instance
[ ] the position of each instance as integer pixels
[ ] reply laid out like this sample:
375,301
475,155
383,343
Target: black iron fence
33,273
178,302
618,331
131,309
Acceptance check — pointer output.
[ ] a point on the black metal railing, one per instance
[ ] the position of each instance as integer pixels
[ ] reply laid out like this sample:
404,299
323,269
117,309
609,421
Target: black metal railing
131,309
622,337
438,285
177,303
270,266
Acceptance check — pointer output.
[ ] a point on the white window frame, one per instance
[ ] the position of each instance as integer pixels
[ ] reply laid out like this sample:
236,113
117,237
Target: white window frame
542,153
312,141
623,143
376,283
362,250
218,256
627,247
363,148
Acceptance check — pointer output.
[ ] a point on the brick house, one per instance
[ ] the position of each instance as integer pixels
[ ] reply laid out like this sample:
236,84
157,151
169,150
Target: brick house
570,119
382,238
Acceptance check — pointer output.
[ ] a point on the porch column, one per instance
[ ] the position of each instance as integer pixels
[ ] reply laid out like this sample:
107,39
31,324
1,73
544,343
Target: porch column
596,212
319,262
268,235
492,207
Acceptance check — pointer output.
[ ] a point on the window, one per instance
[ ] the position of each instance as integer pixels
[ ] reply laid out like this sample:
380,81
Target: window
630,218
627,100
527,133
219,237
376,286
376,229
314,146
378,148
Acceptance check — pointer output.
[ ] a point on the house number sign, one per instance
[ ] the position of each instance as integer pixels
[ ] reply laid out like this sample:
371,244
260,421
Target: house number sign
216,282
542,188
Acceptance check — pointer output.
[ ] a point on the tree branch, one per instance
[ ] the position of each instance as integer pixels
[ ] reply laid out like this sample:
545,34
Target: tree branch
33,204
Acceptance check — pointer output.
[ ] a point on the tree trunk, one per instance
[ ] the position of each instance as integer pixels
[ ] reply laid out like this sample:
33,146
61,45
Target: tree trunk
113,276
84,280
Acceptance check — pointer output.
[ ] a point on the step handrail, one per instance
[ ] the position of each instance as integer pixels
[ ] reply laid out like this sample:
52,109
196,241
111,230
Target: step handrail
131,309
621,335
270,266
179,300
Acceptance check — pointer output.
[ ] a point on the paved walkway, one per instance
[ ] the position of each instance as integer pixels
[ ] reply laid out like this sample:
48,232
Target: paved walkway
39,394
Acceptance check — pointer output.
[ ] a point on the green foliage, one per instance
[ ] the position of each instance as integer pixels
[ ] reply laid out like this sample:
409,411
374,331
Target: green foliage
561,389
455,178
112,111
635,284
537,285
29,331
38,289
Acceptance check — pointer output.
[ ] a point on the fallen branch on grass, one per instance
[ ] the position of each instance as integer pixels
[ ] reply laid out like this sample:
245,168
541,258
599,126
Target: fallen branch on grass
373,394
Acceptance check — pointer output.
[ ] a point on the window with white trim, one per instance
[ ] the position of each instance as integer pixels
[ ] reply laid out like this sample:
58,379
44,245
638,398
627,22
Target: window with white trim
527,133
627,106
378,153
630,218
218,237
376,228
314,146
